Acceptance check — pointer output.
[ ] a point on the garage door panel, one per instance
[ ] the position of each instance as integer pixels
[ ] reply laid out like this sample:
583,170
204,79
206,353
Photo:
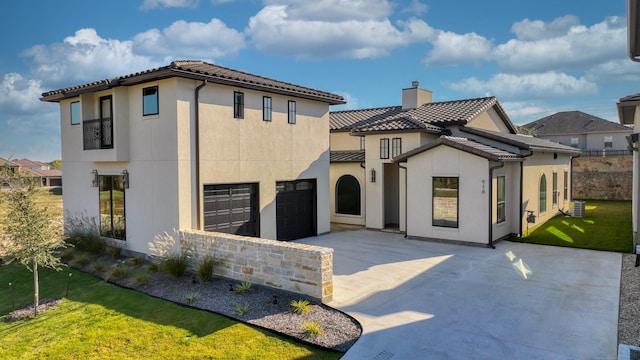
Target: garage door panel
231,209
295,209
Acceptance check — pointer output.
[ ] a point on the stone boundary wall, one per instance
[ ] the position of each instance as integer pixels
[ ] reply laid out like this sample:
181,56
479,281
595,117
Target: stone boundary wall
298,268
602,178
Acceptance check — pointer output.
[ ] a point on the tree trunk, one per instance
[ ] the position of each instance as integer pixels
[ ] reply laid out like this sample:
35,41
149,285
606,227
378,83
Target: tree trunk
36,288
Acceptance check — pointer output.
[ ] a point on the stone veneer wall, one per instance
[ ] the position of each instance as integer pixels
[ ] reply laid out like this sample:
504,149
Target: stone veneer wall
602,178
298,268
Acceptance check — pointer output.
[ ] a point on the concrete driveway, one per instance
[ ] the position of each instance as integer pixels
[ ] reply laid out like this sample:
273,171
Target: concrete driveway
424,300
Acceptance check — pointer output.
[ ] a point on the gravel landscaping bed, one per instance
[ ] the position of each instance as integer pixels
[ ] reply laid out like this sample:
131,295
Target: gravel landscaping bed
629,315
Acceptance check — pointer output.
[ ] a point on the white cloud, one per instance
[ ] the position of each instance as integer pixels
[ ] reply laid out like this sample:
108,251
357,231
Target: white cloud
352,102
334,10
619,70
194,39
450,48
19,95
539,85
281,30
152,4
416,7
577,46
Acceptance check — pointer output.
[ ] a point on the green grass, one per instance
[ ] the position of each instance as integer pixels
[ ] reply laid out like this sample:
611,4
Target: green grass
102,321
606,226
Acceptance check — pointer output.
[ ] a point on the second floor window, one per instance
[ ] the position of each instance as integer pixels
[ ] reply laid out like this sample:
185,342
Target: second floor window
292,112
266,108
608,141
361,142
396,147
150,101
384,148
575,142
75,113
238,105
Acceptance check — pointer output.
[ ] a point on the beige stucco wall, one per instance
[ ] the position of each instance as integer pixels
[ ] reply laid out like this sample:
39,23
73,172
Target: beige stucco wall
159,154
344,141
489,120
336,171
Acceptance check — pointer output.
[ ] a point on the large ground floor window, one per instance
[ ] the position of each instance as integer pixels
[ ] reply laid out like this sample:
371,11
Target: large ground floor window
112,219
445,202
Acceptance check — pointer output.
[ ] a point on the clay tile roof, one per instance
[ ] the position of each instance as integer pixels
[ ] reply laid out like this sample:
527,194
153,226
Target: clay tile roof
466,145
572,122
351,119
522,141
199,70
347,156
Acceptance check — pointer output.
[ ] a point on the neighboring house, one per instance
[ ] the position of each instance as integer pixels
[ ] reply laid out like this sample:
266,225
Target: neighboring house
36,170
629,114
194,145
451,171
586,132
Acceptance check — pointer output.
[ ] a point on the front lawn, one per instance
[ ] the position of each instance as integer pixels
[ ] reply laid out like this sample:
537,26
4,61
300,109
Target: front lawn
606,226
102,321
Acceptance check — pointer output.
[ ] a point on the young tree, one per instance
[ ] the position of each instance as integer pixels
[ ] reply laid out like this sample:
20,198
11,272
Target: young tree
30,233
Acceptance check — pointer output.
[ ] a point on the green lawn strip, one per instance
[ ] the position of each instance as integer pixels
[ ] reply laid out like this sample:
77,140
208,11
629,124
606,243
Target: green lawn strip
606,226
99,320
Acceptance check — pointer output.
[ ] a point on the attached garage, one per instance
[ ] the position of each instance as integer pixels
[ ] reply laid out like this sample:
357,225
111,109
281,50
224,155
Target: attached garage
296,215
231,208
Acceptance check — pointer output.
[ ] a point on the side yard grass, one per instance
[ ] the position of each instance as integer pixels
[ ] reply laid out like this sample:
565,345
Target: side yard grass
606,226
99,320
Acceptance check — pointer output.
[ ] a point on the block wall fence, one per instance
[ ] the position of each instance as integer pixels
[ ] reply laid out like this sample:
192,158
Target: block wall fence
293,267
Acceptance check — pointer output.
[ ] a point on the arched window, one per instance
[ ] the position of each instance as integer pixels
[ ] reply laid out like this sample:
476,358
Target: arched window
348,195
543,194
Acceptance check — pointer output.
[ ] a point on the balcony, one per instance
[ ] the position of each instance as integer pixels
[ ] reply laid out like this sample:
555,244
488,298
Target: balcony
97,134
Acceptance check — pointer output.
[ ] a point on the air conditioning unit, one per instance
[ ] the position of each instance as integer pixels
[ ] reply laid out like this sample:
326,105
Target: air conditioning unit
577,208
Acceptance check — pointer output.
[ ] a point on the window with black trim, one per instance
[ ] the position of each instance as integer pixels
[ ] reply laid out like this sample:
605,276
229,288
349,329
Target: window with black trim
150,101
238,105
501,213
542,208
112,207
384,148
555,193
445,202
74,109
362,142
292,112
266,108
348,195
566,185
396,147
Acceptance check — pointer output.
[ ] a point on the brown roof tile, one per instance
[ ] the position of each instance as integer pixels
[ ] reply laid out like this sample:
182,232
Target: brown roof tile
466,145
572,122
347,156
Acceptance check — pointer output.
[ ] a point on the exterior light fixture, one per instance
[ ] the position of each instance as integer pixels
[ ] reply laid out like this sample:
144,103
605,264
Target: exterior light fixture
125,179
373,175
94,178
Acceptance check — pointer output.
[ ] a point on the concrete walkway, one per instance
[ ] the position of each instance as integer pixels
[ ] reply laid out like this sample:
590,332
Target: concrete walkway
424,300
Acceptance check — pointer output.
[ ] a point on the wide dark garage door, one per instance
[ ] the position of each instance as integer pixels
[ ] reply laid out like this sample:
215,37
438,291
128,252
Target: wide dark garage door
231,209
296,209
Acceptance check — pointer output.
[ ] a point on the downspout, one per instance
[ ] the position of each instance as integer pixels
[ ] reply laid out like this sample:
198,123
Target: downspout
491,168
406,216
364,193
522,191
197,154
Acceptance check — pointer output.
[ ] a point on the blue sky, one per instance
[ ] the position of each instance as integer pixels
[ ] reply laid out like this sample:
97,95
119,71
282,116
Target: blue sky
537,58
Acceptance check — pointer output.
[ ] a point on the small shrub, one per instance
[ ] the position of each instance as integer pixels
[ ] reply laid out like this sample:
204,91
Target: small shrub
153,266
311,328
192,297
119,272
67,254
99,266
164,249
113,251
300,306
242,309
82,259
205,268
243,287
176,264
141,277
83,233
134,260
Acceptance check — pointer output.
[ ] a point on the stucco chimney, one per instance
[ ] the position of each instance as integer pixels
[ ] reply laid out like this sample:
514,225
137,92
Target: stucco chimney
414,97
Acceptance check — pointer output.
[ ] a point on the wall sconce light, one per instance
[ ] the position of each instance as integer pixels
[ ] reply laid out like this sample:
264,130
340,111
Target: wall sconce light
125,179
373,175
94,178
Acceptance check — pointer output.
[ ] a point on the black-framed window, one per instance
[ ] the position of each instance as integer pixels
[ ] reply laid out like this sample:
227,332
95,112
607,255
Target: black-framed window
542,208
555,193
238,105
112,207
348,195
362,142
292,112
566,185
396,147
501,206
75,114
266,108
150,101
445,201
384,148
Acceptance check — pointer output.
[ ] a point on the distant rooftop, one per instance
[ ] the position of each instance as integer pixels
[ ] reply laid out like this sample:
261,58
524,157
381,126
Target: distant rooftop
572,122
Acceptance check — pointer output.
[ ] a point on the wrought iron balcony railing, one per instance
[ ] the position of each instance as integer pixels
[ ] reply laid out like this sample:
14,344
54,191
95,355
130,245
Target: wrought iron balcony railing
98,134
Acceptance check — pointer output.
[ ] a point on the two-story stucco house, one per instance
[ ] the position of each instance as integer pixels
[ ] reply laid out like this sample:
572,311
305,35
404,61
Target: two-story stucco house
453,171
194,145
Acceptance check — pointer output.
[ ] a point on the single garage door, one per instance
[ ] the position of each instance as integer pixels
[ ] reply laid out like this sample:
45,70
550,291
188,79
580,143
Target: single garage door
231,208
296,209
